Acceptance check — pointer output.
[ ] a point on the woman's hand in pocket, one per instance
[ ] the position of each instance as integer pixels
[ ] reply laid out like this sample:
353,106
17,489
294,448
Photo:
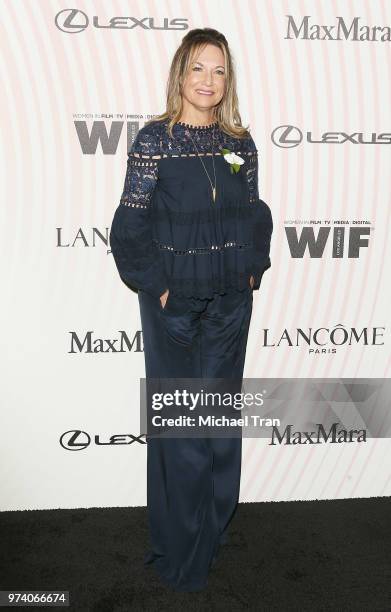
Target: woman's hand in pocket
163,298
251,281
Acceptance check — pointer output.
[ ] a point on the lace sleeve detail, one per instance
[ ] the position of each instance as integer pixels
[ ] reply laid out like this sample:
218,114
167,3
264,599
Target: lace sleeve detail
136,256
142,171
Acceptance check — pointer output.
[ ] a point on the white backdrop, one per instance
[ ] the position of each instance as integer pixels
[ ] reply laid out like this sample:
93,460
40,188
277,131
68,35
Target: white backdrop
73,82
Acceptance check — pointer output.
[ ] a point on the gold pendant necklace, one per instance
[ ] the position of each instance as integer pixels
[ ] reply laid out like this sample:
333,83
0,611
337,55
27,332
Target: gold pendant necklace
213,159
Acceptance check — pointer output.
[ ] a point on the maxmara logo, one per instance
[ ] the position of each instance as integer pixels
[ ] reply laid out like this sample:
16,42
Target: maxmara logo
91,344
334,435
338,31
73,21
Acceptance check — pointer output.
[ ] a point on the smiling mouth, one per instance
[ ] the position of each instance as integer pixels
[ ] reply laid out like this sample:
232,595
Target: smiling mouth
204,92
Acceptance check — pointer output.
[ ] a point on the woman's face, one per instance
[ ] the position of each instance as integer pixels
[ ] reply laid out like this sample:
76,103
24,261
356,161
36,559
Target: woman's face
205,81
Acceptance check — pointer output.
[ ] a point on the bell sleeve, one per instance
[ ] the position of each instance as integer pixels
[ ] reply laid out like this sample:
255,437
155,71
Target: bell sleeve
262,223
136,255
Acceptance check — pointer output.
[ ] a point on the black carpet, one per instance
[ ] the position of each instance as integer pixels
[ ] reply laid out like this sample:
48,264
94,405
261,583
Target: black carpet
314,555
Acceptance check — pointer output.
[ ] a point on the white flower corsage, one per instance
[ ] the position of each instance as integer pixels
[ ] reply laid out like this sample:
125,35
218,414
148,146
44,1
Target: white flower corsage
234,160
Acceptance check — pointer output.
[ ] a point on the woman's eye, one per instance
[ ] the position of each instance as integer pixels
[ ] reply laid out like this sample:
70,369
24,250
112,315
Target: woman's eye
221,72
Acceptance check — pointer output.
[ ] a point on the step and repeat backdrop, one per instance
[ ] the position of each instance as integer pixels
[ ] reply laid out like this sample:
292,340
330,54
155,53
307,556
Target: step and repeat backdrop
78,81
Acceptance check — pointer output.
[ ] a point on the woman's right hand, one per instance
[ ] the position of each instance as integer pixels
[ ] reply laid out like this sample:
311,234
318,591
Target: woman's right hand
163,298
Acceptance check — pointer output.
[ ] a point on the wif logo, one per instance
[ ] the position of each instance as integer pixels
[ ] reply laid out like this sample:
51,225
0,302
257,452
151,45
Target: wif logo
345,241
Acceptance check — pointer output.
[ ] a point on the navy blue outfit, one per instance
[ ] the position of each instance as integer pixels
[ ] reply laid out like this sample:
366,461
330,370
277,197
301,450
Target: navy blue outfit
168,233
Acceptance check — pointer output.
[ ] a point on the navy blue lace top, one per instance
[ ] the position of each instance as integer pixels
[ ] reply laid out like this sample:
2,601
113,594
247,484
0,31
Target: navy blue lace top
168,233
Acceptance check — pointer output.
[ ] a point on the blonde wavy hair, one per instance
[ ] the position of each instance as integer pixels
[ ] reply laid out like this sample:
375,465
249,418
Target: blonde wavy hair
227,111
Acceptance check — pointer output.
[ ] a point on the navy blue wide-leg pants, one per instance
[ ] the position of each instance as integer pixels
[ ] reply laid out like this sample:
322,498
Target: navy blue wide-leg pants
192,483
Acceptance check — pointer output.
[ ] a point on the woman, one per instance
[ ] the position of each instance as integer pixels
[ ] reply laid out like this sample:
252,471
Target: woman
191,234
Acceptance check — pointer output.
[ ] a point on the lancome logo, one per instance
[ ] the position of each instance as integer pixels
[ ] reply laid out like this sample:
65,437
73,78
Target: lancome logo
334,435
340,31
73,21
324,340
290,136
90,344
83,238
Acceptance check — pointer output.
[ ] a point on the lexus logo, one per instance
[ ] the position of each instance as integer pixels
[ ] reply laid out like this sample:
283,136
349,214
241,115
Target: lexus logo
76,440
71,21
289,136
